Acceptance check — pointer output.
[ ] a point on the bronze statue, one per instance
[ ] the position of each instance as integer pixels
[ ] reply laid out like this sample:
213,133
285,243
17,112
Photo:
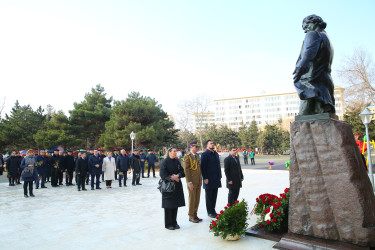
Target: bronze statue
312,76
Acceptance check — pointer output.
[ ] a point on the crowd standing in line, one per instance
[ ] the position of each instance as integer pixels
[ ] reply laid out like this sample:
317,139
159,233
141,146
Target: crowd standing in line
198,170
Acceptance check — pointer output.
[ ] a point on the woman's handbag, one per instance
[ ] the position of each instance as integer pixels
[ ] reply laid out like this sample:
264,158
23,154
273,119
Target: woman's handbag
27,172
166,186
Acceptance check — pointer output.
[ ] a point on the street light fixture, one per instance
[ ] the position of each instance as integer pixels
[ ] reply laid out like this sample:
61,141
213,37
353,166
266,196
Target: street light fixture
366,117
132,137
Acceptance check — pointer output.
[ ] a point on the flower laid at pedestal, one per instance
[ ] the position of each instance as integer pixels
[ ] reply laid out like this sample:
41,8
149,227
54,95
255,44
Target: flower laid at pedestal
232,221
273,211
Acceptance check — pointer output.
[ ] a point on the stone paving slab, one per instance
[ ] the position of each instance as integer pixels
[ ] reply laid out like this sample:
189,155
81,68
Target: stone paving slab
120,218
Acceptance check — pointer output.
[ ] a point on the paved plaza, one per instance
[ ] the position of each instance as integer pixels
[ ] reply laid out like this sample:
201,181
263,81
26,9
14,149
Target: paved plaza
120,218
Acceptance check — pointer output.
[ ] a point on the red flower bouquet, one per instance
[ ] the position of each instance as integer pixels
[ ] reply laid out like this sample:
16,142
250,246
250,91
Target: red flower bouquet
273,210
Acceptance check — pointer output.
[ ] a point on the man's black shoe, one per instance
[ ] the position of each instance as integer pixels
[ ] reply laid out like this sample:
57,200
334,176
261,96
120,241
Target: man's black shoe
120,185
170,228
176,226
84,189
133,184
37,188
26,196
92,188
32,195
44,187
212,215
139,184
99,188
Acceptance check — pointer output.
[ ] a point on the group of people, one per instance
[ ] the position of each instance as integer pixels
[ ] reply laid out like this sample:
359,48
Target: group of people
87,165
204,170
198,170
246,154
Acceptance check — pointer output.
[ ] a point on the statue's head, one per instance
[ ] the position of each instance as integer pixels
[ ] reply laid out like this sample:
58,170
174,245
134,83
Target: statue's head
313,22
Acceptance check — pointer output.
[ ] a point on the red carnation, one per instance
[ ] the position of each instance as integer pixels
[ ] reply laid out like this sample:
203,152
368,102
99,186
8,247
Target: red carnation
279,204
286,190
214,223
275,207
271,215
264,202
278,199
225,207
210,227
217,216
228,205
261,215
257,199
274,220
236,202
268,222
278,213
221,212
261,225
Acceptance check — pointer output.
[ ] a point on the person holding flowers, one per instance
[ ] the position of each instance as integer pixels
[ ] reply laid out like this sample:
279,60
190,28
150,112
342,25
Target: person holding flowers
135,164
122,167
55,162
42,165
29,163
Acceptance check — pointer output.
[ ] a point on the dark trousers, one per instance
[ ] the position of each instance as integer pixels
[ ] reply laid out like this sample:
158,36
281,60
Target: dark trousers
211,196
143,170
149,168
68,180
87,178
233,195
120,177
61,177
245,160
54,177
43,180
30,184
115,175
252,161
102,176
93,176
135,179
108,183
81,181
170,217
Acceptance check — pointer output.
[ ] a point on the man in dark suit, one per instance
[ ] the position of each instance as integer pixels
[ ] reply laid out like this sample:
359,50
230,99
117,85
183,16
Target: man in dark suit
69,166
211,173
82,168
233,172
95,168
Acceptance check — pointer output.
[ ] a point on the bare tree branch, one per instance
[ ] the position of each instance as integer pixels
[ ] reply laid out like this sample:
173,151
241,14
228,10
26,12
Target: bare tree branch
358,72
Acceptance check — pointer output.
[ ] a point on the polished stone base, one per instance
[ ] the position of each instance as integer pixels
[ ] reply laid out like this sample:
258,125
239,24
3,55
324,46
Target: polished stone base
294,241
323,116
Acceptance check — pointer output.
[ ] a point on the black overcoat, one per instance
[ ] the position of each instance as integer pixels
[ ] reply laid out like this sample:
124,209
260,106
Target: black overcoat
82,166
233,172
211,170
13,165
168,168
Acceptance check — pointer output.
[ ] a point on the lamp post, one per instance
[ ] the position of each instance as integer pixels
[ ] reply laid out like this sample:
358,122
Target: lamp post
132,136
366,117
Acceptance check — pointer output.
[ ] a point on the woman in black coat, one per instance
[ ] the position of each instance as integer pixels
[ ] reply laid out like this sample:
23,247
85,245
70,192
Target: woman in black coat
13,165
171,169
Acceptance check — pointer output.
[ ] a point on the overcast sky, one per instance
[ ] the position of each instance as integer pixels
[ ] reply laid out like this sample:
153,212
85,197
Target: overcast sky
53,52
